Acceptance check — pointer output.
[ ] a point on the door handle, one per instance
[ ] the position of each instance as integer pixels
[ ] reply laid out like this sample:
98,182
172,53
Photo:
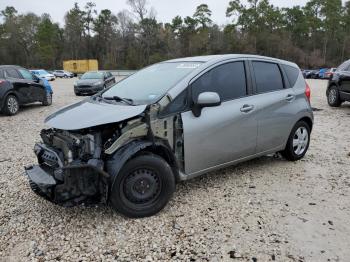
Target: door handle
247,108
290,97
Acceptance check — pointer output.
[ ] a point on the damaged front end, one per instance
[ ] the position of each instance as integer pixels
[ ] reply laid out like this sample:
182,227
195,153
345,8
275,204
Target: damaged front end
70,169
80,166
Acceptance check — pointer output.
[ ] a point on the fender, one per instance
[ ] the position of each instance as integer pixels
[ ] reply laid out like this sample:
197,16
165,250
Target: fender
159,147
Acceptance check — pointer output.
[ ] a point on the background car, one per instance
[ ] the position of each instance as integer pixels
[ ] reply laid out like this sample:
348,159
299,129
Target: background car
310,74
63,74
322,73
338,90
41,73
329,73
18,86
92,82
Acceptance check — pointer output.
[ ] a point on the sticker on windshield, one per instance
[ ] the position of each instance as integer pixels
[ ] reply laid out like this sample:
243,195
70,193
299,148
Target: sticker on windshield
152,96
188,66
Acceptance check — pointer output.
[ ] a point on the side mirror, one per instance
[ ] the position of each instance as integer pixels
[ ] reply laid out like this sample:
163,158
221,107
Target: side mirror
206,99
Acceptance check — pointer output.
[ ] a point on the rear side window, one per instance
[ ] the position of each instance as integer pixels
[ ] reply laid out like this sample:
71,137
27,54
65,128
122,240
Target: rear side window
228,80
268,77
292,74
12,73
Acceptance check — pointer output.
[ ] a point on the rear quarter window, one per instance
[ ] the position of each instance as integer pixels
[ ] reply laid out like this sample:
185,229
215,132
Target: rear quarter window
292,74
1,74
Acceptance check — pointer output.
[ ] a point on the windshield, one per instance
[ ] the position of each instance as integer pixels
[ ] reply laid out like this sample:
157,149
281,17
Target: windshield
151,83
92,75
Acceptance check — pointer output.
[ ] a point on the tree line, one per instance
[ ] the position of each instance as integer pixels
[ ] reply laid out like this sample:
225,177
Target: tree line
314,35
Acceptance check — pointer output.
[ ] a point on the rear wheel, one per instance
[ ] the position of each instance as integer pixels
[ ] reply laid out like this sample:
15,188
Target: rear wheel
333,97
11,105
143,187
298,142
48,99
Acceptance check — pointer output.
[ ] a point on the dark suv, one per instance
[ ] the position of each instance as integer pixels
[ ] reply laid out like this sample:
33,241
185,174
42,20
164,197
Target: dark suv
19,86
338,90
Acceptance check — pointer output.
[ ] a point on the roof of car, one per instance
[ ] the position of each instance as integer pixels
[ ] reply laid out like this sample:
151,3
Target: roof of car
211,58
6,66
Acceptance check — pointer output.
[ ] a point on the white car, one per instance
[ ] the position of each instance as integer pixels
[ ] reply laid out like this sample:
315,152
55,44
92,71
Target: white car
63,73
41,73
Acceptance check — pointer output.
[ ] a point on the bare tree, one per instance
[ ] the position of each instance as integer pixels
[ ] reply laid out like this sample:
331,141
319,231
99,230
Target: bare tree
138,7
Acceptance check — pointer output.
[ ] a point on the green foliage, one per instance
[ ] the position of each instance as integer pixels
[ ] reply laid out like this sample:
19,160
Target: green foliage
314,35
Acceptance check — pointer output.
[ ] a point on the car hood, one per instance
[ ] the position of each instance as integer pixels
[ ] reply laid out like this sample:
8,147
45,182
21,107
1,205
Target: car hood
90,113
88,81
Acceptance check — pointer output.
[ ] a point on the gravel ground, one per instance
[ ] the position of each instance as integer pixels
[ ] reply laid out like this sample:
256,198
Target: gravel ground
263,210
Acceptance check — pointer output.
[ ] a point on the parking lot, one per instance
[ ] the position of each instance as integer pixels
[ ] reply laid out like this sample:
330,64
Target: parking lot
263,210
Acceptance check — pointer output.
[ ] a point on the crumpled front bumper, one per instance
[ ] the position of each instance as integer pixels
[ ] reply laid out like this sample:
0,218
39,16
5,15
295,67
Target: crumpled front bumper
68,185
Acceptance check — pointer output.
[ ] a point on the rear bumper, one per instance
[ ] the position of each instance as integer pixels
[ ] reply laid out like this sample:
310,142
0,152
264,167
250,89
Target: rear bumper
67,185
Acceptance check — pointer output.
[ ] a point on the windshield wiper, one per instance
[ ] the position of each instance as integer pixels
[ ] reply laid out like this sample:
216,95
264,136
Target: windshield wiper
128,101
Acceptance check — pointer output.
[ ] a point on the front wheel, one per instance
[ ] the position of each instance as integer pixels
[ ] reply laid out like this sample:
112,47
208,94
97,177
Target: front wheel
143,187
298,142
333,97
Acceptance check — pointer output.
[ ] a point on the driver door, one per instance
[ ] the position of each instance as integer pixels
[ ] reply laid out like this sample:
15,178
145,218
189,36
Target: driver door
225,133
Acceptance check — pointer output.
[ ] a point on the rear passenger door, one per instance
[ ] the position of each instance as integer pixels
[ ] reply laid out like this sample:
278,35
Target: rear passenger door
20,85
274,99
224,133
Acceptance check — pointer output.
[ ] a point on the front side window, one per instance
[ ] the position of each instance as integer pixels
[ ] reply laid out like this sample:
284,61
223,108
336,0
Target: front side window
12,73
228,80
26,74
152,83
268,77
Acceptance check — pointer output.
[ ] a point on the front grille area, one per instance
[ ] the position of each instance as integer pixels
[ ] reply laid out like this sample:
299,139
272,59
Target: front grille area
84,87
49,158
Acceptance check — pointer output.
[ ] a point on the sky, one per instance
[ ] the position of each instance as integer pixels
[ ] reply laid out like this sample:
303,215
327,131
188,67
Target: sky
166,10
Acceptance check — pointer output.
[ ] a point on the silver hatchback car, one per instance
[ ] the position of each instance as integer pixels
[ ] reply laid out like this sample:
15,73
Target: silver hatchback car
128,145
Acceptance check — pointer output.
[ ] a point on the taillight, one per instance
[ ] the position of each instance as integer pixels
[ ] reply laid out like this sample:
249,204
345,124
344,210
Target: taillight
2,81
308,92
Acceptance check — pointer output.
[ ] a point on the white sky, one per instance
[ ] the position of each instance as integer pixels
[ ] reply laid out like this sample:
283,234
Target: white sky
166,9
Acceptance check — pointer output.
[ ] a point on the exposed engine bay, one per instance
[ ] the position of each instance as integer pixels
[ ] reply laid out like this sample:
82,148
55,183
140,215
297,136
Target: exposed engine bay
80,166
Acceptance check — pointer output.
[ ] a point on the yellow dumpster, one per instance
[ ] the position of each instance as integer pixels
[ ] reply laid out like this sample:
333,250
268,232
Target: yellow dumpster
80,66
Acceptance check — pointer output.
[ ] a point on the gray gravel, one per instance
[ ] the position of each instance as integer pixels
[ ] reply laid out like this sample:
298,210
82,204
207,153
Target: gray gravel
263,210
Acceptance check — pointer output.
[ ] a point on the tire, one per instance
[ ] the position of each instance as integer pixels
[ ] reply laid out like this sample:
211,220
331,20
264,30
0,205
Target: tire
11,105
48,99
143,187
333,97
77,93
298,142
